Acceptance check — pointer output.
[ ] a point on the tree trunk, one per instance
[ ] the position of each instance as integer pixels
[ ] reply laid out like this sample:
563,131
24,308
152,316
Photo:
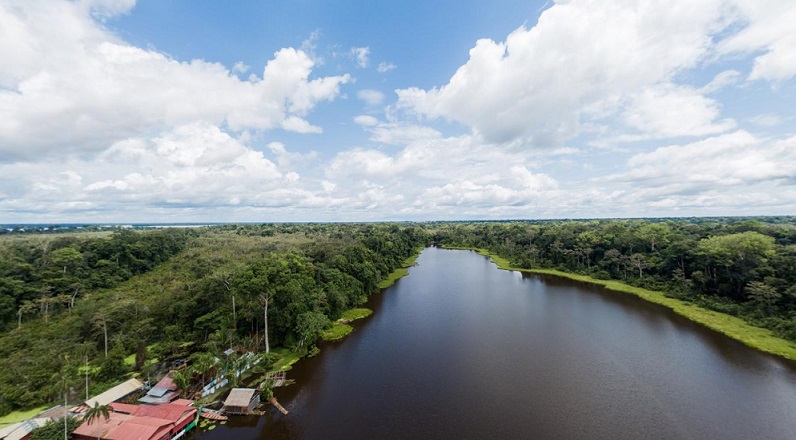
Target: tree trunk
66,405
87,377
234,312
265,326
105,331
72,300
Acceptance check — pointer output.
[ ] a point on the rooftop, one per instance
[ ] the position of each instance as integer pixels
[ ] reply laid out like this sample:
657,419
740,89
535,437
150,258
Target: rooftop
240,397
115,393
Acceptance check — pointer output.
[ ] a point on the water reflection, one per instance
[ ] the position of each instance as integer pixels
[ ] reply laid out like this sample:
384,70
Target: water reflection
460,349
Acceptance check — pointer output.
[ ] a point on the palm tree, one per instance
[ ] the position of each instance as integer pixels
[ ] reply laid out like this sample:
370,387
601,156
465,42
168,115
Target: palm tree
94,413
203,362
182,378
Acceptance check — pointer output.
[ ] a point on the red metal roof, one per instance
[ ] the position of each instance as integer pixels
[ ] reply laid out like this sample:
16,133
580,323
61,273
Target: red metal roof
167,383
125,408
183,402
101,426
138,431
138,422
167,411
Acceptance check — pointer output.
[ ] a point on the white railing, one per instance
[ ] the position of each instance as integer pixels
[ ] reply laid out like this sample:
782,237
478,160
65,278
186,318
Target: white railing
215,384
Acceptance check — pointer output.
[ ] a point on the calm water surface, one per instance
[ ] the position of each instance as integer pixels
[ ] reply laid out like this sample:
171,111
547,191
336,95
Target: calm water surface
460,349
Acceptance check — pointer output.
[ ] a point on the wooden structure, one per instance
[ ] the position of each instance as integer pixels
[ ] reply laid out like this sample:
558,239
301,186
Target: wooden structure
212,414
241,401
114,394
277,405
277,379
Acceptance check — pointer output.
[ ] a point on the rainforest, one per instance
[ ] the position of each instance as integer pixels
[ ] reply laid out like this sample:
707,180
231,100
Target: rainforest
98,307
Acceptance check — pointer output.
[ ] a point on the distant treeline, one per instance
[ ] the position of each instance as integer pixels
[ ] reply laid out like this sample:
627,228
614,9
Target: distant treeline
172,292
743,267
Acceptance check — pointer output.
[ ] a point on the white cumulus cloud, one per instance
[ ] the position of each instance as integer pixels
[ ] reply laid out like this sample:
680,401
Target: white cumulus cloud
361,55
366,120
541,81
69,85
370,96
769,30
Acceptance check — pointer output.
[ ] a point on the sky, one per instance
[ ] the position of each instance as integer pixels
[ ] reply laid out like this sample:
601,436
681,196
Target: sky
374,110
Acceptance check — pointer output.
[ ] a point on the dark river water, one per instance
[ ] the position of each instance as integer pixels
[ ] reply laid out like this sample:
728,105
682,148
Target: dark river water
462,350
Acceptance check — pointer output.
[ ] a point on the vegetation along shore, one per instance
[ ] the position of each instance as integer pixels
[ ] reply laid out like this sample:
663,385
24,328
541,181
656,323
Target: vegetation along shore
128,303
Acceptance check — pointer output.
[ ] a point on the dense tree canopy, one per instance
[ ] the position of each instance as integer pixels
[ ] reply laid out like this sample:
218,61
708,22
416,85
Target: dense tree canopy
167,293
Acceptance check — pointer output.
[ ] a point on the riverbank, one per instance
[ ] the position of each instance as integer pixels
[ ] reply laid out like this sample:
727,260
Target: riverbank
400,272
731,326
340,328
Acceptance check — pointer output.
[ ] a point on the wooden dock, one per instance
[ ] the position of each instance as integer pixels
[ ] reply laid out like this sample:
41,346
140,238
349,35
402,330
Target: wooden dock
278,406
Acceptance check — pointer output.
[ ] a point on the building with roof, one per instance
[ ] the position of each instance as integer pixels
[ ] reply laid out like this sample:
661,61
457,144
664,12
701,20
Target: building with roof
22,430
116,393
141,422
57,412
241,401
164,391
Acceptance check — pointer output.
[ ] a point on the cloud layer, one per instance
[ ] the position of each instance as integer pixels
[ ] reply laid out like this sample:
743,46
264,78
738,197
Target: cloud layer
601,108
68,85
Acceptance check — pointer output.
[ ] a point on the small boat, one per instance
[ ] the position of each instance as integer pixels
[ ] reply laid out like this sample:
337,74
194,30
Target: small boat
212,414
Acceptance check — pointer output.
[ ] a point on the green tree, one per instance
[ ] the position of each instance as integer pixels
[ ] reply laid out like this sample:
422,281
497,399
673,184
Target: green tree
181,378
65,257
309,326
742,258
203,363
54,429
638,261
763,295
94,414
655,235
113,366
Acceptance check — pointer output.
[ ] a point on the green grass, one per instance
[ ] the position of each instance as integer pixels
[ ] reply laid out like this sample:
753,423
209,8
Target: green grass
20,416
354,314
400,272
731,326
130,360
341,329
336,332
289,357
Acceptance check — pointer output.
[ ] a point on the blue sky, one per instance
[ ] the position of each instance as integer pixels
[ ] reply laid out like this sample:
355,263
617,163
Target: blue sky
174,111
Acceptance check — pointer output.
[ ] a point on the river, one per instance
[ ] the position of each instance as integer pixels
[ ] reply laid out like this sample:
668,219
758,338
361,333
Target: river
462,350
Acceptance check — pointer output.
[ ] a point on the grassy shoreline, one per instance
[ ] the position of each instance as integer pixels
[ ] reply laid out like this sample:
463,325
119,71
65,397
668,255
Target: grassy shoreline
400,272
341,328
731,326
